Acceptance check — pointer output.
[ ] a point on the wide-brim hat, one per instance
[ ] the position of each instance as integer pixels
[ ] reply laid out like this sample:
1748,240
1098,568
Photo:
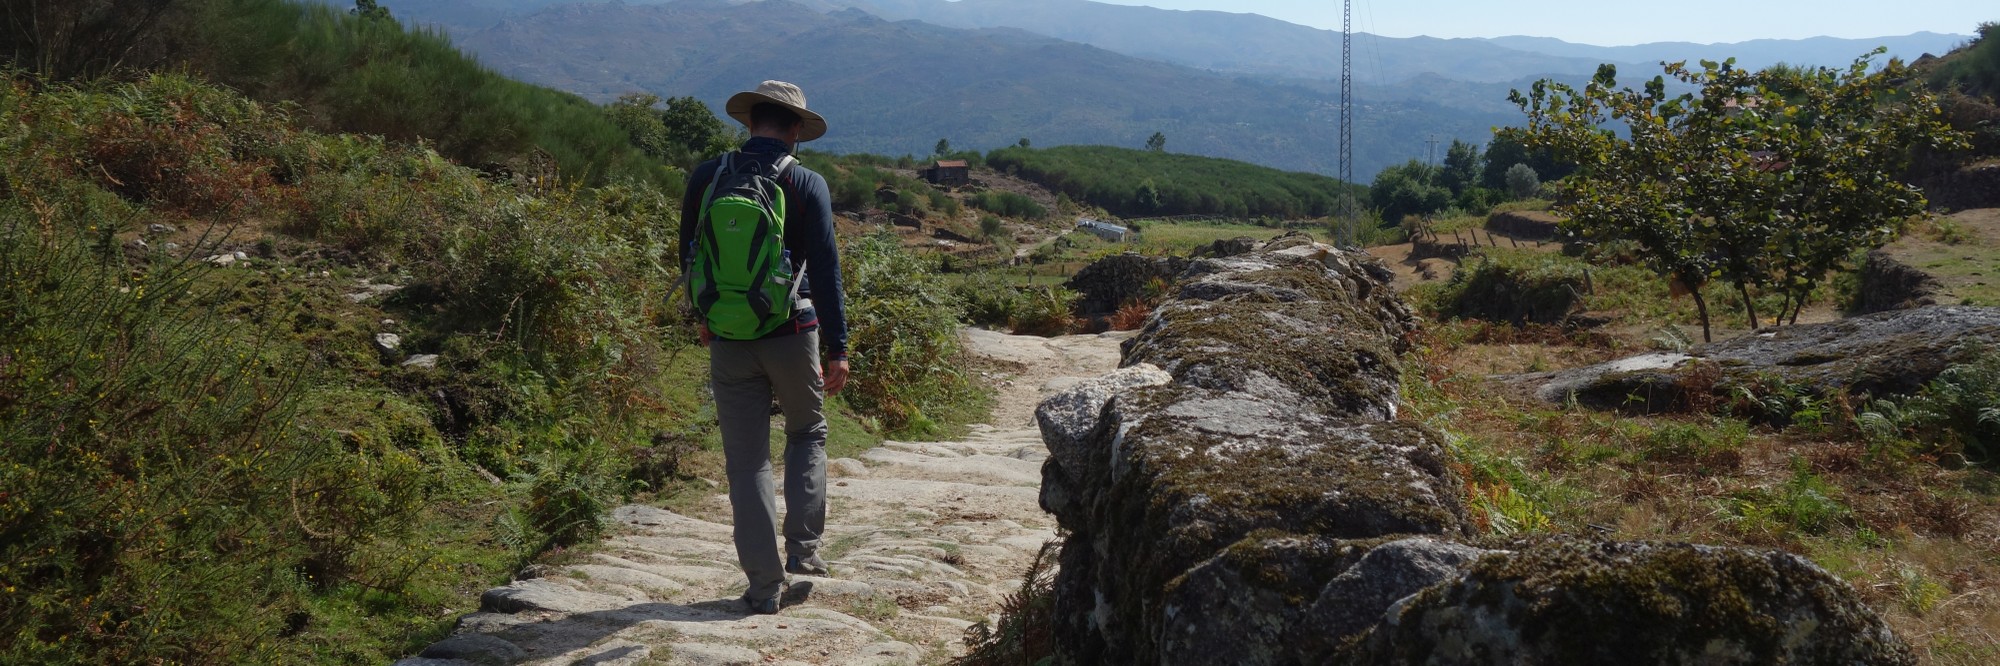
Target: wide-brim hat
782,94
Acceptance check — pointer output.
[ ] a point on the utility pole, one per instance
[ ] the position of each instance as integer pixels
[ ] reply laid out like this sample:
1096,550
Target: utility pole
1431,146
1346,228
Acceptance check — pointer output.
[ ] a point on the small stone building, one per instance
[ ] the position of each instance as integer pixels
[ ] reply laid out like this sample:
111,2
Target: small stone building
949,173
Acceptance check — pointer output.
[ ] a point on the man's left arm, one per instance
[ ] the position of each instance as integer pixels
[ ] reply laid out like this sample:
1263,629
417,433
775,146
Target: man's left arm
823,272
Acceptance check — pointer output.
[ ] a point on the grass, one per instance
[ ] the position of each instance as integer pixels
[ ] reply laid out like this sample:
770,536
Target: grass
1911,535
1962,251
1181,238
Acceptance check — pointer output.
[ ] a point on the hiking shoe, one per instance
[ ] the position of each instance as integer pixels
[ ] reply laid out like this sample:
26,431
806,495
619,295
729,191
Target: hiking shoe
762,606
810,565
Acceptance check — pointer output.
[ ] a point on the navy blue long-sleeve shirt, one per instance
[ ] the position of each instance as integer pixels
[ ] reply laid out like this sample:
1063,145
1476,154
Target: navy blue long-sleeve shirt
808,235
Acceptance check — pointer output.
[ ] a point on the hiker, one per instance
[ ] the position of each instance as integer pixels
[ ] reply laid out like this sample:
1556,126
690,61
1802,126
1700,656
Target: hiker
765,308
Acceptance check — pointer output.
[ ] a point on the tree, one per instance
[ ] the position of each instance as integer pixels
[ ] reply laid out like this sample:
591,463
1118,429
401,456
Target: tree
1522,181
1407,189
683,133
1764,179
943,148
1508,149
1463,165
1023,143
1157,143
368,9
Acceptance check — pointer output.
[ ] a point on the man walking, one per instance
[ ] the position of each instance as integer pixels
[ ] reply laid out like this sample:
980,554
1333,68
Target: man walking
756,349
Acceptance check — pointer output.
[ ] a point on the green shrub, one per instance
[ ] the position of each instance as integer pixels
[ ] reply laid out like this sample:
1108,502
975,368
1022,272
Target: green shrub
1047,311
1010,204
908,365
1517,290
196,463
1958,412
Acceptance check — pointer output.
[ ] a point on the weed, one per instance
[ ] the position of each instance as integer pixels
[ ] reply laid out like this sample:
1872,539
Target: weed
1025,631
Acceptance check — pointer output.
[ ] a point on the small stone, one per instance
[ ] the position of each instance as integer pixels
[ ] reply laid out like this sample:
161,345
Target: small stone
160,228
388,341
846,468
388,322
221,259
239,255
421,361
170,247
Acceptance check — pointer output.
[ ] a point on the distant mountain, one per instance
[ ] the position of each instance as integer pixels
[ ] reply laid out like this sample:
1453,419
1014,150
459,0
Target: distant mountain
1754,54
897,87
1241,43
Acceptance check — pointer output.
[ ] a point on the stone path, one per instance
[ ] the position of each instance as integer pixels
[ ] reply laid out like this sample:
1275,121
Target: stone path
924,538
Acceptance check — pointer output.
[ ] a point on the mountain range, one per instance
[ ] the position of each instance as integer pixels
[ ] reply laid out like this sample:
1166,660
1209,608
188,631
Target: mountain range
897,75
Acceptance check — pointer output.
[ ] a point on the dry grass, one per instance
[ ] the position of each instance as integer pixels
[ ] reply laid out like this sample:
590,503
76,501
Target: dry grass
1915,538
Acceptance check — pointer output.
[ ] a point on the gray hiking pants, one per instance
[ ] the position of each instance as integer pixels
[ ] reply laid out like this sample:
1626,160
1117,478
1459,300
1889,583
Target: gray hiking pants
744,376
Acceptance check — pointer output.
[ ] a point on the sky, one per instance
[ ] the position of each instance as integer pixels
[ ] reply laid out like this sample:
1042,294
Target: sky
1622,22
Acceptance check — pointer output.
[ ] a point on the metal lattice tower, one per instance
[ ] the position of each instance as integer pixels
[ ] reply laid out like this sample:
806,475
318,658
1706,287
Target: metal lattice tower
1346,227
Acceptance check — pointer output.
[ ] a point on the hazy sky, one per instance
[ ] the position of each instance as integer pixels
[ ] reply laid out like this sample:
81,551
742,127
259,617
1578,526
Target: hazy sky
1622,22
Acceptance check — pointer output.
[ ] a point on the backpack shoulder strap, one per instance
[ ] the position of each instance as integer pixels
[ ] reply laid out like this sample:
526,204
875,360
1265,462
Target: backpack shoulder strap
784,163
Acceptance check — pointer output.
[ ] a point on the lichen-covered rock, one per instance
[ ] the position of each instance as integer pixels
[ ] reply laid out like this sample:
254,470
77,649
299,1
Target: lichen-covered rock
1572,602
1356,599
1239,607
1887,353
1227,247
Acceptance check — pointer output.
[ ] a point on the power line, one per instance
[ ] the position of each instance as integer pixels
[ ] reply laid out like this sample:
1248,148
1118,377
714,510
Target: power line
1346,229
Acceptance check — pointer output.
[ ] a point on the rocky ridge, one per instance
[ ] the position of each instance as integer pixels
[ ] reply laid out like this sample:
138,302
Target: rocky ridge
1242,492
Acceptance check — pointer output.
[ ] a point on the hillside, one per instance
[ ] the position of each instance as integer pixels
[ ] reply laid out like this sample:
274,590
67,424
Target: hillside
1753,54
1233,42
897,87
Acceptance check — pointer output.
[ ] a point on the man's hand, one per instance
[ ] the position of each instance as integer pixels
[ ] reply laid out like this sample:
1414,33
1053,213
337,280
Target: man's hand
836,375
702,330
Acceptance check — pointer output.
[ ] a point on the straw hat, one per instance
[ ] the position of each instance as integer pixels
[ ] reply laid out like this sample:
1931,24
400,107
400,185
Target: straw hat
782,94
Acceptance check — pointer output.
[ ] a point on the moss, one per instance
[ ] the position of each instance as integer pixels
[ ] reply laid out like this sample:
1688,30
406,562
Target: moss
1309,348
1566,601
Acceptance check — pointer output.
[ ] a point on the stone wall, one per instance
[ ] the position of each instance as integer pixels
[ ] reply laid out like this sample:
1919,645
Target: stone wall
1242,492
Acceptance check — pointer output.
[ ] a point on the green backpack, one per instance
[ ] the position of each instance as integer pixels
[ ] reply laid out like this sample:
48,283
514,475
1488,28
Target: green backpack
741,279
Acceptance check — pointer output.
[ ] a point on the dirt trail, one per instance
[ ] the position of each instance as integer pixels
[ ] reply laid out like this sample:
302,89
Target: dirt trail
923,539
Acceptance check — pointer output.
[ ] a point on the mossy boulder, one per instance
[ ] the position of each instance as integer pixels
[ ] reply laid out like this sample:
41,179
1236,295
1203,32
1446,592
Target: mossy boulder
1119,280
1575,602
1178,473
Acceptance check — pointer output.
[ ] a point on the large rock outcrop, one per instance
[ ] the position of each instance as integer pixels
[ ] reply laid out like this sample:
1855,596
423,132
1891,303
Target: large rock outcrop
1887,353
1242,493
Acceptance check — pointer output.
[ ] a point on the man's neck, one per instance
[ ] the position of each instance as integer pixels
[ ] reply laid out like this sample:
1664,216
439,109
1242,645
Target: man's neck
789,144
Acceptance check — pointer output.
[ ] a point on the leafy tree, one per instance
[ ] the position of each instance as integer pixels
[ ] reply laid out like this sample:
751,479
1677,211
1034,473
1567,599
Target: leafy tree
691,125
1023,142
1762,180
943,147
369,10
635,113
1157,143
1522,181
1508,148
1463,166
1149,195
1408,189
